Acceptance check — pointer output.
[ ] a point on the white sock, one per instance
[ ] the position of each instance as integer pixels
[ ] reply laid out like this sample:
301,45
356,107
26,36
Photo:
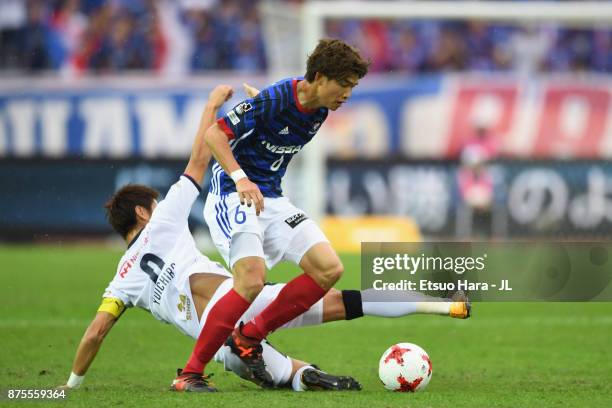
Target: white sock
440,307
400,303
389,309
296,382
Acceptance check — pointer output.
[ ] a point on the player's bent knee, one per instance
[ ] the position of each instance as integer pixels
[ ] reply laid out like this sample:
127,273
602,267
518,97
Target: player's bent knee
328,275
249,287
249,277
249,290
335,272
322,263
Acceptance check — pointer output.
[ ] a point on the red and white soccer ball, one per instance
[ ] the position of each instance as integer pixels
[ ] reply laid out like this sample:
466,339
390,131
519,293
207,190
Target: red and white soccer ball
405,367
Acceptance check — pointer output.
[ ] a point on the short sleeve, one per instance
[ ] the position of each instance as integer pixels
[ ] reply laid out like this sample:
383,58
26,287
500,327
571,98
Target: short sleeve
113,292
176,206
246,115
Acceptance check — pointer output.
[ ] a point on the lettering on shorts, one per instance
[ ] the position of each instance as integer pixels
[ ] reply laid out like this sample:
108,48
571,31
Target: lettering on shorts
296,219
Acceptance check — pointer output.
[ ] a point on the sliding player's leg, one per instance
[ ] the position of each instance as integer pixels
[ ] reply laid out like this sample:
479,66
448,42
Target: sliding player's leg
351,304
286,371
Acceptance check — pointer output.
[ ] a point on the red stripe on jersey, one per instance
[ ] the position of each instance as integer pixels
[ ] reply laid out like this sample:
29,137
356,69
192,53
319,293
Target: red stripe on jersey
297,101
226,129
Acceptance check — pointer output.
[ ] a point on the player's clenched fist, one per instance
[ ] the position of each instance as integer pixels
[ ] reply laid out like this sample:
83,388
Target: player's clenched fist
219,95
249,194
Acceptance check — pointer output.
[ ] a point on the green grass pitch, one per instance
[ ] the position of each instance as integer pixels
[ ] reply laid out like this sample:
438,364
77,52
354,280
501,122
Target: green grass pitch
507,355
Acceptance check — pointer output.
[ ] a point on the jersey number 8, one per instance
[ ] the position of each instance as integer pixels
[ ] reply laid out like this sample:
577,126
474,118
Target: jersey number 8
276,165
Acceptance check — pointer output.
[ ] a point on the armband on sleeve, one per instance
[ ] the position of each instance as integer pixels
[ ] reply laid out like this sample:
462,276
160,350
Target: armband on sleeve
113,306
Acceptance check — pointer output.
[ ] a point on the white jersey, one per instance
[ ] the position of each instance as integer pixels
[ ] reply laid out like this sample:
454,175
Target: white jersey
153,274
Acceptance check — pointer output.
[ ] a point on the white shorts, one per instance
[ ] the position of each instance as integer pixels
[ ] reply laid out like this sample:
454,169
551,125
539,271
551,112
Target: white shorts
284,230
177,306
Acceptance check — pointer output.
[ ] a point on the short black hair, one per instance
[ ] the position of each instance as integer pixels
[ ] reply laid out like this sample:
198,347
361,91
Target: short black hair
121,207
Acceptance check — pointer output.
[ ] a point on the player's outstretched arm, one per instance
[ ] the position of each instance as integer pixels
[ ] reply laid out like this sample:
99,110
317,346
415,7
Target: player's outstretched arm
200,153
88,347
248,191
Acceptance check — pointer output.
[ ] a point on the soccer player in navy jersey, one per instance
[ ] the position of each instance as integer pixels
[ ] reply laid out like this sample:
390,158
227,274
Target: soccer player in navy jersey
252,224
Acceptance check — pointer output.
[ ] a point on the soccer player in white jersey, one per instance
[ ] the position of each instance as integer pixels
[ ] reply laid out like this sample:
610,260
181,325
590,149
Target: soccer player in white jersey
163,272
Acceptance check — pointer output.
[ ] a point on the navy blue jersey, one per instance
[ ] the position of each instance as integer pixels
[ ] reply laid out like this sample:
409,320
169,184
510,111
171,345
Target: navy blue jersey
265,132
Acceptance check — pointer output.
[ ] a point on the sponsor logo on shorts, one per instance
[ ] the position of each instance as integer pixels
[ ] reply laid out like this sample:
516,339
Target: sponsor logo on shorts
296,219
184,305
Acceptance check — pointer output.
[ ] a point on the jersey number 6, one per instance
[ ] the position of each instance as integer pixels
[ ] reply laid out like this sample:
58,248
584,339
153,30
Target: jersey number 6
239,216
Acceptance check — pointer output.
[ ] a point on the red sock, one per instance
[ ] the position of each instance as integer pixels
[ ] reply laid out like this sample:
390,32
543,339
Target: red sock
294,299
219,324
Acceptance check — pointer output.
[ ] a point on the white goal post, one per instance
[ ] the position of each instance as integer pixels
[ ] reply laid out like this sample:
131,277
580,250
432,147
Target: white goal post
283,36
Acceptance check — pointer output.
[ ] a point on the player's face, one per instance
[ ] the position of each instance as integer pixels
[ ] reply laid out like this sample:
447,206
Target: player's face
333,93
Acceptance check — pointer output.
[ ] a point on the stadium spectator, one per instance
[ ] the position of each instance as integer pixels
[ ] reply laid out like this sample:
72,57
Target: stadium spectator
527,47
69,23
449,52
602,50
409,48
93,36
37,45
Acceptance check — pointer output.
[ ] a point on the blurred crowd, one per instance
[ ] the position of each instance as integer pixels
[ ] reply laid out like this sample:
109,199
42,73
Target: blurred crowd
433,46
183,36
118,35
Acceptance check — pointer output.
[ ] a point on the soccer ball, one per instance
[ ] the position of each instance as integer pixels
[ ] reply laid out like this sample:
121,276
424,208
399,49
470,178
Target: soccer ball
405,367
